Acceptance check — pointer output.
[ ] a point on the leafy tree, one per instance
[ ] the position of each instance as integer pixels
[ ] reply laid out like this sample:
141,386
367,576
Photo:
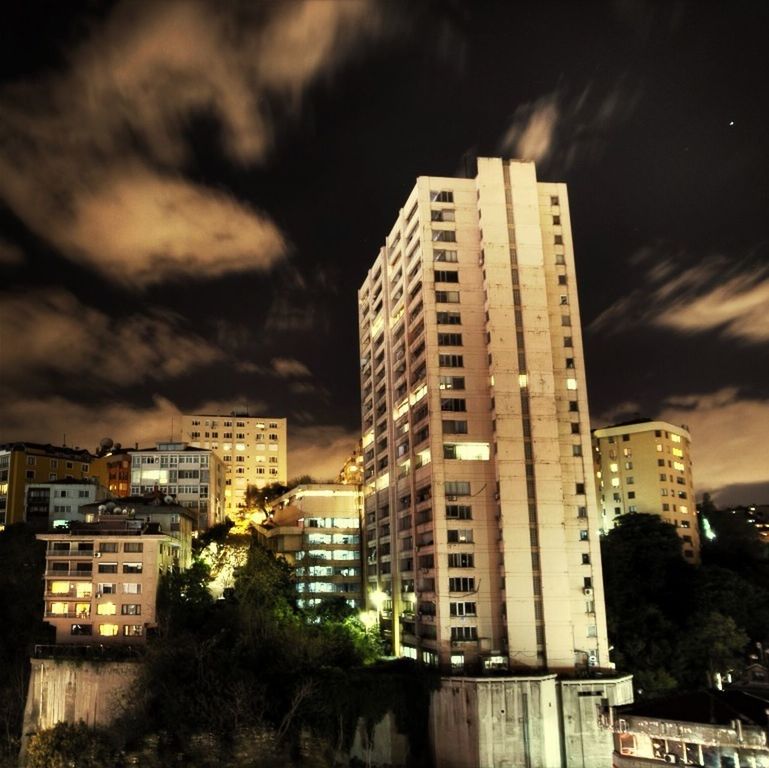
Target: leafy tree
71,746
22,563
183,599
713,644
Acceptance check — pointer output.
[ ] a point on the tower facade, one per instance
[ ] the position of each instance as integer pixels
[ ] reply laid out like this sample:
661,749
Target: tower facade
480,519
645,467
252,448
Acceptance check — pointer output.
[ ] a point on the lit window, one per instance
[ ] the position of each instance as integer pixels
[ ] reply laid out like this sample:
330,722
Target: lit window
571,384
108,630
106,609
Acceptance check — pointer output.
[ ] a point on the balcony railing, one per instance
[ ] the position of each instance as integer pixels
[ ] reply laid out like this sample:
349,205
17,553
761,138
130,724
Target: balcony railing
71,572
72,615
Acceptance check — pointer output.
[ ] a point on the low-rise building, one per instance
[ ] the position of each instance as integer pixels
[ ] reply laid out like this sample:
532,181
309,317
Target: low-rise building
112,467
316,527
24,463
56,503
102,573
711,728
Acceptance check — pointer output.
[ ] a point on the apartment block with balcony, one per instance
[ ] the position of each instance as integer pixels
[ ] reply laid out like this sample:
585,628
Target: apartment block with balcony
316,527
25,463
195,477
645,467
480,520
252,448
102,574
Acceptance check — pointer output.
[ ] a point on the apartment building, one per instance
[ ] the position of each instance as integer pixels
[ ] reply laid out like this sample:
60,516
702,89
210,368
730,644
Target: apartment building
112,467
23,463
645,467
102,574
252,448
316,527
481,524
193,476
55,504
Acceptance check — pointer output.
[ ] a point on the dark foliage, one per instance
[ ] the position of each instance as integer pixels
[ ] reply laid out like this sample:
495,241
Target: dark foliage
674,625
22,563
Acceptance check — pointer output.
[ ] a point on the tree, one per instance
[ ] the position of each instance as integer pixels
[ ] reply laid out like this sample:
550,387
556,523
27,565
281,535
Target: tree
714,645
71,746
22,563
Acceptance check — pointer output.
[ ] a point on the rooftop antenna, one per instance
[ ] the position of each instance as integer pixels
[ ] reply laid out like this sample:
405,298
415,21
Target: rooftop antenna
64,440
171,439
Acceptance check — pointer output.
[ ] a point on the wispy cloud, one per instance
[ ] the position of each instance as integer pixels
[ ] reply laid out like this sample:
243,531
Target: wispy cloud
711,294
288,368
49,330
728,432
92,159
565,127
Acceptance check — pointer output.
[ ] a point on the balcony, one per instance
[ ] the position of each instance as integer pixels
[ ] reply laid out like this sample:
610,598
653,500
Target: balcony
71,615
83,574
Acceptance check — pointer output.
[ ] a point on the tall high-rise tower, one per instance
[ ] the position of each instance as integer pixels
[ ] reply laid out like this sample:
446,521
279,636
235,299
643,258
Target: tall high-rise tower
480,512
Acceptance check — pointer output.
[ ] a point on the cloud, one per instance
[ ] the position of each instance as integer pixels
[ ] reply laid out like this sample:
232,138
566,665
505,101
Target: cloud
531,134
49,330
10,254
563,127
319,451
91,159
286,367
713,294
728,436
47,421
140,229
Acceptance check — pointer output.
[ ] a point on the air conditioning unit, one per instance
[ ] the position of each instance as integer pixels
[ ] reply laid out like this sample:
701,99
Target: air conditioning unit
451,498
98,594
592,660
588,591
97,554
671,758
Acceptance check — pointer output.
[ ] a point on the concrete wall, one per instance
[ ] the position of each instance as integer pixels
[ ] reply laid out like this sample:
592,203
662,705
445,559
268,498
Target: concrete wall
69,691
387,746
496,723
587,735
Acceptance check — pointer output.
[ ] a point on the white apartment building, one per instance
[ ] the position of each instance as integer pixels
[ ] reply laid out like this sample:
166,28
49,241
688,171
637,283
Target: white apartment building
316,527
56,503
645,467
252,448
195,477
481,523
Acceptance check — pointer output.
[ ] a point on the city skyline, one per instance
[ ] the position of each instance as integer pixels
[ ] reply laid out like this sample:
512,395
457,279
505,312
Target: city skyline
190,196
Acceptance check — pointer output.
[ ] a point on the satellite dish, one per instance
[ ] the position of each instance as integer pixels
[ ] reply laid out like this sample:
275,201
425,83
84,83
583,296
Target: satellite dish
168,499
106,443
109,506
102,507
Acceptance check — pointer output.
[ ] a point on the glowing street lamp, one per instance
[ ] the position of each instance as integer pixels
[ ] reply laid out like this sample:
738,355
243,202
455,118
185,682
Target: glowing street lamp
377,598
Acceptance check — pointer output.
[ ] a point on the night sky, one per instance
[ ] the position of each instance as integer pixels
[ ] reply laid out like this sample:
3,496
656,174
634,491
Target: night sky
192,192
